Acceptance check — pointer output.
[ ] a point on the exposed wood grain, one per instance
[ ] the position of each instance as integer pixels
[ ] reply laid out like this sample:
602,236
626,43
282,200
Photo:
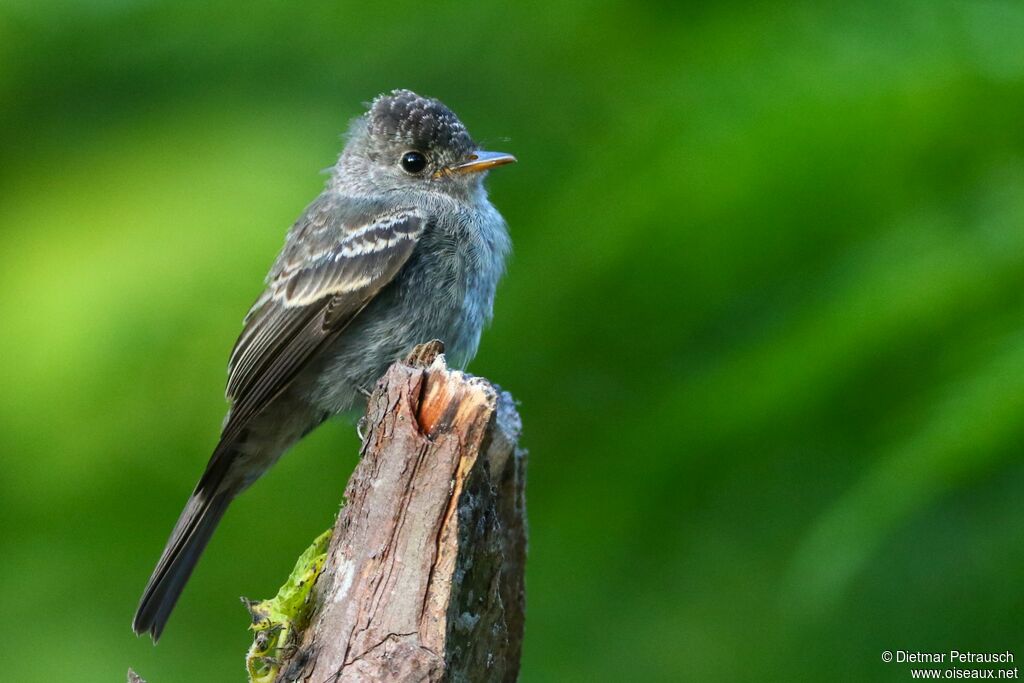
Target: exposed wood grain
424,576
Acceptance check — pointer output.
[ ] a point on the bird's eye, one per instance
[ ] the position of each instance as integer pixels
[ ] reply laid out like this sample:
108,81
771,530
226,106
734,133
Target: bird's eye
413,162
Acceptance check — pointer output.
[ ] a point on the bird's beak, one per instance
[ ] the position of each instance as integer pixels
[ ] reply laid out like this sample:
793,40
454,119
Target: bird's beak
482,161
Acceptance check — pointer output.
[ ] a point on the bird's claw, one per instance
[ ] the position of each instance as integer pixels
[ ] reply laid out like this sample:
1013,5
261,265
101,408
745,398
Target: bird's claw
424,354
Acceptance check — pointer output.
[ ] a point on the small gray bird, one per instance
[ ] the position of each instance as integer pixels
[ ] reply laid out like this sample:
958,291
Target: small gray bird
401,247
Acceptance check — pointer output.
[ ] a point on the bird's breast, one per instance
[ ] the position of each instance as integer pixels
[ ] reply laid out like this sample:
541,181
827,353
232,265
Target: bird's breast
452,279
444,291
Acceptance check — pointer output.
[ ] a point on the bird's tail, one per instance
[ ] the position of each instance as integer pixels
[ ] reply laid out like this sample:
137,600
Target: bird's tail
191,534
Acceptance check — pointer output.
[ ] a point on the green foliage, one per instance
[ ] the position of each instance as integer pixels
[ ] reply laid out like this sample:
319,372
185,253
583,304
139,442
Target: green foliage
764,317
278,622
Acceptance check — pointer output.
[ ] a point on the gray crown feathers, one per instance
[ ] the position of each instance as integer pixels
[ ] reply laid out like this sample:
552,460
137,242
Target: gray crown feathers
422,121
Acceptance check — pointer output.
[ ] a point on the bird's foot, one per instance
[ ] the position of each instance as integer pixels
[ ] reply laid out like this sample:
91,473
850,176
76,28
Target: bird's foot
424,354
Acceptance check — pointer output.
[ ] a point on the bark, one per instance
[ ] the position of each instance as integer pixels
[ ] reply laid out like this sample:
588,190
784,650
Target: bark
424,574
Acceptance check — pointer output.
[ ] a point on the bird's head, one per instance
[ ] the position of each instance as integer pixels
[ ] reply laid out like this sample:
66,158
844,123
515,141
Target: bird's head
408,142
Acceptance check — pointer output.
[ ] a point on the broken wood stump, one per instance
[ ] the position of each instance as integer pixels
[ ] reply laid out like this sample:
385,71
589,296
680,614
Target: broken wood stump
423,579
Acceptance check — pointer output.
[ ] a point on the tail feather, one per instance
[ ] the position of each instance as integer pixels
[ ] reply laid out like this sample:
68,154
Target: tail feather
192,532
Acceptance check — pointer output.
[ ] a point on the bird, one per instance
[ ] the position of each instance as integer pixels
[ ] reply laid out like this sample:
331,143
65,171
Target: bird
402,246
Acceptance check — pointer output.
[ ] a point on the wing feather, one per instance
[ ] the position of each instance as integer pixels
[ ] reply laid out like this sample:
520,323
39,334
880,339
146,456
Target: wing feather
335,261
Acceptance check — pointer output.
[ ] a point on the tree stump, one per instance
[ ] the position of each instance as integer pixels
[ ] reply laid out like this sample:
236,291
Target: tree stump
424,573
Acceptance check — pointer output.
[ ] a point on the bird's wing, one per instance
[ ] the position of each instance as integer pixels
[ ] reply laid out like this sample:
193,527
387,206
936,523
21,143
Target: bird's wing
336,259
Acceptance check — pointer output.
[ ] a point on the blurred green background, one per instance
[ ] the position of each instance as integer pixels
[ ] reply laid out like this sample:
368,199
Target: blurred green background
765,317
